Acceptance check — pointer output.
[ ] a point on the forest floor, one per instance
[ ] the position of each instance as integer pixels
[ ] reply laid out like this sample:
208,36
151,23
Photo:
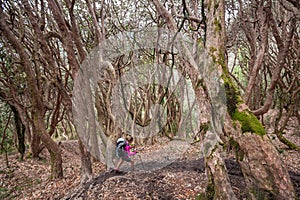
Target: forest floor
153,178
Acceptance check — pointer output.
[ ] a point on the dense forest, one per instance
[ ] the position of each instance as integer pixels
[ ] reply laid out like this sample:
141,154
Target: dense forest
216,79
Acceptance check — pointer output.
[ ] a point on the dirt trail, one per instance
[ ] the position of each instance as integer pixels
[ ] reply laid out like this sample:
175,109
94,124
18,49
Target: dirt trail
179,179
157,176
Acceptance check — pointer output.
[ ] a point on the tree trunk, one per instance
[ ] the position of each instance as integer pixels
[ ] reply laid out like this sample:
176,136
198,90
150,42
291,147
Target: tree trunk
52,147
283,41
258,40
35,98
215,47
261,165
86,164
20,128
219,186
35,143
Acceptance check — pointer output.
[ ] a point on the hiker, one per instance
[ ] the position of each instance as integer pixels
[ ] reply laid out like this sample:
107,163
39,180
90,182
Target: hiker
123,151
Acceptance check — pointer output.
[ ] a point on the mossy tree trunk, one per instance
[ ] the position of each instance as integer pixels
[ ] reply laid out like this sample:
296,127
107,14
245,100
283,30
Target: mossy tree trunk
215,47
219,186
261,165
263,170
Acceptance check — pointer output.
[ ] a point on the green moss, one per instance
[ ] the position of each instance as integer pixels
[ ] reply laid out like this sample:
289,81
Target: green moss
232,95
201,83
238,152
261,194
216,6
209,5
210,191
201,196
249,122
285,141
221,60
212,51
218,26
218,57
204,127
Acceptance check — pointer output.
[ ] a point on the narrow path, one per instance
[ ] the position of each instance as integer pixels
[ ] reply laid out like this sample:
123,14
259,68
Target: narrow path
178,179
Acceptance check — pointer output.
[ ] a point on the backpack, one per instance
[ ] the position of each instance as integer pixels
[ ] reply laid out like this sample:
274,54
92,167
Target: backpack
121,143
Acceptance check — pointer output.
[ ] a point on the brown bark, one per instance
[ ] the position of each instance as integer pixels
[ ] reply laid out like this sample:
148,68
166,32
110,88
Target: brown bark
219,184
218,177
47,54
20,129
215,45
283,42
75,31
86,164
261,165
70,33
97,28
255,37
35,142
52,147
66,34
3,139
37,104
258,157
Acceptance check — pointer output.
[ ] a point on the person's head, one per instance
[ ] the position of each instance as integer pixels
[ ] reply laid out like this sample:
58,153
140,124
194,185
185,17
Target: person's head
129,138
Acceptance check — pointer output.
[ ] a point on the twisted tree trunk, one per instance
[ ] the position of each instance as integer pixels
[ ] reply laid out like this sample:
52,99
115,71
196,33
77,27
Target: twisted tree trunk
263,170
38,106
261,165
20,128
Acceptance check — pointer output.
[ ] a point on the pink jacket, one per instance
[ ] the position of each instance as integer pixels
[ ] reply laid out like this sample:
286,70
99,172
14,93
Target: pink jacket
127,149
